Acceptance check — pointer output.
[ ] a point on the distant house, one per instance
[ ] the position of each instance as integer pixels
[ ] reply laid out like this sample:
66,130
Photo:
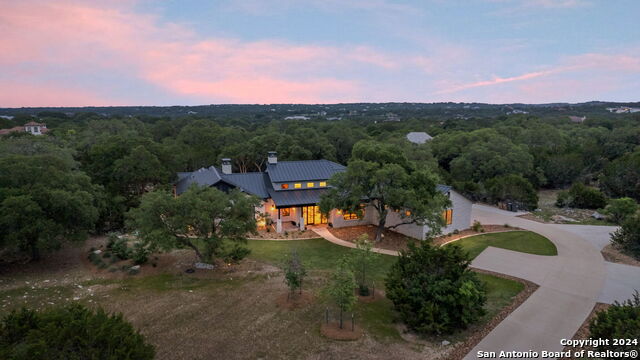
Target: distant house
577,119
297,117
418,137
32,127
391,117
291,190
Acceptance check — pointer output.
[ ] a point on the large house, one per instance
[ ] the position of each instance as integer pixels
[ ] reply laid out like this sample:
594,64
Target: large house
291,190
32,127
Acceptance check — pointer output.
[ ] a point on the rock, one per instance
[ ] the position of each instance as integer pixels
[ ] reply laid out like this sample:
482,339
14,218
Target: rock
76,298
135,267
98,252
596,215
445,342
561,219
203,266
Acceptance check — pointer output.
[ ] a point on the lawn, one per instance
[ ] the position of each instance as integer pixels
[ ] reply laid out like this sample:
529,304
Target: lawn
523,241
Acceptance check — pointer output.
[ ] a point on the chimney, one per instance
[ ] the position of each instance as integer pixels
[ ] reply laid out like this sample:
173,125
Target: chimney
226,166
272,158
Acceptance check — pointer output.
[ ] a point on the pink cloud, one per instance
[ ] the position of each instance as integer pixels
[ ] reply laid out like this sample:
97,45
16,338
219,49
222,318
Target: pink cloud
39,95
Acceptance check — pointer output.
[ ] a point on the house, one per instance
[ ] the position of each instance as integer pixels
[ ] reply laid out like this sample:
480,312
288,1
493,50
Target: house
418,137
577,119
32,127
291,190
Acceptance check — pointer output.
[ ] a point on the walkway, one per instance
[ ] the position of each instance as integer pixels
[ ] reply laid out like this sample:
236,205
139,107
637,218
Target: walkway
570,283
327,235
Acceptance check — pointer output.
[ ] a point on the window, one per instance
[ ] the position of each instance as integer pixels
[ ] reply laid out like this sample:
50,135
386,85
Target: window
323,184
297,185
285,212
284,186
448,216
310,184
407,213
353,216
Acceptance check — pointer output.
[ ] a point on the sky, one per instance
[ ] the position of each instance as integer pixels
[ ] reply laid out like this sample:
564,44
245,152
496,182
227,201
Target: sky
193,52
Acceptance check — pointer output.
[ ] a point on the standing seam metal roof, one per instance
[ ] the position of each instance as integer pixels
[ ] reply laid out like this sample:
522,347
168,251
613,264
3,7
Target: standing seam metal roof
287,171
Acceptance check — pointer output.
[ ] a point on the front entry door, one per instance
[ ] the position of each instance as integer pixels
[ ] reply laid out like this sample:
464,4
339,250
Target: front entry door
313,216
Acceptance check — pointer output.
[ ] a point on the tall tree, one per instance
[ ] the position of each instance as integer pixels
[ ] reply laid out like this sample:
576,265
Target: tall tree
380,175
202,219
341,287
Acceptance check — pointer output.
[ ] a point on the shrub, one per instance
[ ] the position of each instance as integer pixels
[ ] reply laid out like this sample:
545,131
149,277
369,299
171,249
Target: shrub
140,253
477,226
512,188
120,249
627,237
72,332
294,272
236,254
433,289
620,321
581,196
619,209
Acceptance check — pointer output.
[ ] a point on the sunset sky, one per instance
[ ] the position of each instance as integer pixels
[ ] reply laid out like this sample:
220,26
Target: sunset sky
189,52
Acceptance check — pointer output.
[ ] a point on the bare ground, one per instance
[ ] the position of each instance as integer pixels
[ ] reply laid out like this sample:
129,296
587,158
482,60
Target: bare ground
612,254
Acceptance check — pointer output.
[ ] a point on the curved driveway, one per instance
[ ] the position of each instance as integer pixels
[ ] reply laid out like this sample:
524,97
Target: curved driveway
570,283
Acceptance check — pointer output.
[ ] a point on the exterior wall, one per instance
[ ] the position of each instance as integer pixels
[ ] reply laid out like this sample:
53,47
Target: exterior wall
338,221
461,213
316,185
269,208
413,230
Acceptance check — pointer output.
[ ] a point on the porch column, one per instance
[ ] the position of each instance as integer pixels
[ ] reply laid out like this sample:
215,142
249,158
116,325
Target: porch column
301,218
279,223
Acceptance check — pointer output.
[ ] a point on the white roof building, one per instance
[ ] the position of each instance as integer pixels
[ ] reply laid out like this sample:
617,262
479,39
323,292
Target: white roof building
418,137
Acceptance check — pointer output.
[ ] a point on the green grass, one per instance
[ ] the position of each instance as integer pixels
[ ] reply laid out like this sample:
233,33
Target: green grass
523,241
316,254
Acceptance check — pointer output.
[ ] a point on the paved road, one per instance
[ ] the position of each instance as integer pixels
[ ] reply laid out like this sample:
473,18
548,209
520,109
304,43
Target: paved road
570,283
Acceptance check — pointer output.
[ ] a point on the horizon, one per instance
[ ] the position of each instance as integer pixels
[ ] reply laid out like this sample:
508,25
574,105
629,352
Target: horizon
75,53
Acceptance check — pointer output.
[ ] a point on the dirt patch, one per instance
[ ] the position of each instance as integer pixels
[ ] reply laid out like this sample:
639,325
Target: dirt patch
286,234
464,347
293,301
614,255
332,331
444,239
583,331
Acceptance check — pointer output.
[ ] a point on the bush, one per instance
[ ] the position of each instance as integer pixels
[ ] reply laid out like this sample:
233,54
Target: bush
433,289
477,226
120,249
620,321
619,209
72,332
140,253
512,188
581,196
627,237
236,254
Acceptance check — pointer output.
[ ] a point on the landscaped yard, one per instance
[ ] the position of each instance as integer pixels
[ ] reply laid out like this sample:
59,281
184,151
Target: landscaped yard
548,209
232,312
523,241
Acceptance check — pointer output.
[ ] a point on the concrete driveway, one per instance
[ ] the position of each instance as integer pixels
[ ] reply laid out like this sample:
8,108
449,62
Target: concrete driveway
570,283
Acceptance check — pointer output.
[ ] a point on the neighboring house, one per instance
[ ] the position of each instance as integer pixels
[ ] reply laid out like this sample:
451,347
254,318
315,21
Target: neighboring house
418,137
297,117
32,127
291,190
577,119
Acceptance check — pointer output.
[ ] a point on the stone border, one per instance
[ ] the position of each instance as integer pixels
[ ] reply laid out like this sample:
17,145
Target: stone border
463,348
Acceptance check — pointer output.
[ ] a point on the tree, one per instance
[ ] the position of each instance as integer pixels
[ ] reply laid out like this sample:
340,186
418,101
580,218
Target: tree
138,170
627,237
341,287
434,290
622,177
619,209
202,219
512,188
620,321
380,175
71,333
44,201
294,272
361,259
581,196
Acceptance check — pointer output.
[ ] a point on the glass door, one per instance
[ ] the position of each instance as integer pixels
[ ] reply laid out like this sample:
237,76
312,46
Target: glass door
313,216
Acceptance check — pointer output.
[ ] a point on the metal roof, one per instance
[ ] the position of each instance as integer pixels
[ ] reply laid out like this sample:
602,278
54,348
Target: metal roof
443,188
287,171
252,183
203,177
418,137
296,197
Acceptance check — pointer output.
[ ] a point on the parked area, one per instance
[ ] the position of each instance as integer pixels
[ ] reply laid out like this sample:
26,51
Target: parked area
192,316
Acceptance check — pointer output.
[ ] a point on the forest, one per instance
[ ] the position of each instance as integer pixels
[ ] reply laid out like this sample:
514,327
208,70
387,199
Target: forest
90,169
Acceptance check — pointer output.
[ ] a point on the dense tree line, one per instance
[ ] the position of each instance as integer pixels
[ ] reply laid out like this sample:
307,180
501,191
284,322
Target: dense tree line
90,170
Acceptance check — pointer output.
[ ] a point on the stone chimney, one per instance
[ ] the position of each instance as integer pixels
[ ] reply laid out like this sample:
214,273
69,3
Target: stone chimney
226,166
272,157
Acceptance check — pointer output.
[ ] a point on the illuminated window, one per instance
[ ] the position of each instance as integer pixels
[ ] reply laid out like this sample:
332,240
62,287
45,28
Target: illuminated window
285,212
284,186
353,216
297,185
448,216
323,184
407,213
310,184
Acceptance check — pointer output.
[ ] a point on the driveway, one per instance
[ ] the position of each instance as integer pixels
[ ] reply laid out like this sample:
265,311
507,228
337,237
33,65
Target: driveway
570,283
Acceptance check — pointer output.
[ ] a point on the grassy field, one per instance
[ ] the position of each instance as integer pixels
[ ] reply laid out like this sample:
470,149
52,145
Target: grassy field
232,312
523,241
